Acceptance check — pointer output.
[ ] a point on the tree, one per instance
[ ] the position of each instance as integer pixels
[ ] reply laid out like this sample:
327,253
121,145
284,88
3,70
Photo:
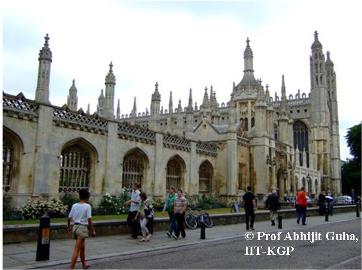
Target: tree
351,170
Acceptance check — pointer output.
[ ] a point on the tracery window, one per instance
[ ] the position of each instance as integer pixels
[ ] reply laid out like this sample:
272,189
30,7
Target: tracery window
174,173
205,177
8,156
134,166
74,169
300,131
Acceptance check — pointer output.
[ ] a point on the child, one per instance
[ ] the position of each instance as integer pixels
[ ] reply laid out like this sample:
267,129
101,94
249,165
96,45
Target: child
81,214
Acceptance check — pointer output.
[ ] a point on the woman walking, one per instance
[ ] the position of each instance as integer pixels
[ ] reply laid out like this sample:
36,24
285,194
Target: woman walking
146,214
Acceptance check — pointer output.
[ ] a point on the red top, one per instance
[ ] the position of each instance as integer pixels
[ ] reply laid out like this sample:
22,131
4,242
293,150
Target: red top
301,198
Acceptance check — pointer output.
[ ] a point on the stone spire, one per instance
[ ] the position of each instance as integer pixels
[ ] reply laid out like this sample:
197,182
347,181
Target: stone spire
88,109
170,104
189,107
118,110
72,102
248,81
179,108
205,101
110,82
284,102
156,95
134,110
101,104
45,60
316,44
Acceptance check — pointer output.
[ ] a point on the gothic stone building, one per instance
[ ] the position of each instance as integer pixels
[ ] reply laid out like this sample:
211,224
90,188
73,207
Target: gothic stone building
283,142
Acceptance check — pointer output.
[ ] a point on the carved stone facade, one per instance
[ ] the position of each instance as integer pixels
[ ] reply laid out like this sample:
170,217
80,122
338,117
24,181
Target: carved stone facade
253,139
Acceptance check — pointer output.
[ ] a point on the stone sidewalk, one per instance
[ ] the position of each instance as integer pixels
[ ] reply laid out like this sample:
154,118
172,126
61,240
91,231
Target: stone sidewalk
22,255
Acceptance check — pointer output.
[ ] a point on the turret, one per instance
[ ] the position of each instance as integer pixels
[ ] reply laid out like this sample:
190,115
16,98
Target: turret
319,95
170,104
205,101
101,104
45,60
110,82
155,102
134,109
72,101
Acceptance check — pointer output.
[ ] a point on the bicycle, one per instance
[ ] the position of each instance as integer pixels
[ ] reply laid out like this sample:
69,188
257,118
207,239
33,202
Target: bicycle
192,220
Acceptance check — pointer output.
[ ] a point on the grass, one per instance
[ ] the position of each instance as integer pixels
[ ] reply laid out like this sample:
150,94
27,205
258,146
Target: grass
105,217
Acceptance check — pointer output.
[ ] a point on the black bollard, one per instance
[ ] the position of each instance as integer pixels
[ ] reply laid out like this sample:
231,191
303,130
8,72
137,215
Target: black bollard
42,250
202,227
280,222
326,216
357,210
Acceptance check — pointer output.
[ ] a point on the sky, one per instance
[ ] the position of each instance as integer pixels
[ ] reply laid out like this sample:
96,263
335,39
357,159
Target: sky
181,45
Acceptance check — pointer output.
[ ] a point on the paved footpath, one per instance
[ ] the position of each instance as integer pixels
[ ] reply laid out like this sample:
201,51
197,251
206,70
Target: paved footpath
22,255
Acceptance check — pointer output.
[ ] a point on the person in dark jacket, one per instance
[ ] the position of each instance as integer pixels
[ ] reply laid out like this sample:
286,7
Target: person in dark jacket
272,203
248,201
322,203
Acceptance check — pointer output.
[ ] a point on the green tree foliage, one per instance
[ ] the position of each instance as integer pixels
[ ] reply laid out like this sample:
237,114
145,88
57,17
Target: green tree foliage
351,170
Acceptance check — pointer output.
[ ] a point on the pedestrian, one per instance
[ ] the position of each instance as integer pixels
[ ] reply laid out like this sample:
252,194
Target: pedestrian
272,203
322,203
302,206
248,201
146,214
169,207
134,206
330,201
81,215
180,210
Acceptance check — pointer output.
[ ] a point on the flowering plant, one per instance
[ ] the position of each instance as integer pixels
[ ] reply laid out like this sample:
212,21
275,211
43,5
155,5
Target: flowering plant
35,208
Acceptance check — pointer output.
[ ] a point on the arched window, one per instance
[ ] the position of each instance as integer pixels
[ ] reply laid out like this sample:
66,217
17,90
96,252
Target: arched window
8,156
174,172
205,177
316,186
75,168
303,184
300,131
135,163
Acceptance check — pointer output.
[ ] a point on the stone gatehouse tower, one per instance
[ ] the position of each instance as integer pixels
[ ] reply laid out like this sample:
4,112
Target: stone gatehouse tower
282,142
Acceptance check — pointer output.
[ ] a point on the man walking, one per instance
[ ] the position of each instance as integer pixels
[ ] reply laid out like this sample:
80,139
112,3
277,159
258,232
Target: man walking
272,203
302,206
135,203
249,205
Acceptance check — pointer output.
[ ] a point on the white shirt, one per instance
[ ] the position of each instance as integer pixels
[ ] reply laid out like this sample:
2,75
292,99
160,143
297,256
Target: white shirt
80,213
135,197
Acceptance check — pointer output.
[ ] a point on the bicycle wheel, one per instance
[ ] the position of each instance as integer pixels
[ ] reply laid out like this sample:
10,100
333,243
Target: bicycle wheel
208,221
191,222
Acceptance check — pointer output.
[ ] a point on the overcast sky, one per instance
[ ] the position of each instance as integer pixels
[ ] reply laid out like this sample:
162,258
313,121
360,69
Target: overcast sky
181,45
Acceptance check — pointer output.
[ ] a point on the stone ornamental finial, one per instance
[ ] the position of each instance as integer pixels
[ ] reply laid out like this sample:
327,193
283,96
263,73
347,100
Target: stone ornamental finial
315,35
111,67
46,40
247,42
156,86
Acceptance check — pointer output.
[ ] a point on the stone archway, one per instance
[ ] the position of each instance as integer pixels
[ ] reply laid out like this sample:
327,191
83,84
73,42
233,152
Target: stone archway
206,172
175,171
135,164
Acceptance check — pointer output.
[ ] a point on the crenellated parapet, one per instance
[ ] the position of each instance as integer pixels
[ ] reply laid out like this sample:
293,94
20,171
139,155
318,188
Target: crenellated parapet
20,107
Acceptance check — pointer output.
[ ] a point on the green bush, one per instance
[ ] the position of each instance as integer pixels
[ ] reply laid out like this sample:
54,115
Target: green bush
158,204
113,205
69,199
36,208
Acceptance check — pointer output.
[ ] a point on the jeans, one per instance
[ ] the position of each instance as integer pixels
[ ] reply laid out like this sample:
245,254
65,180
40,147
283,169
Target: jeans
172,227
273,214
249,215
302,213
144,228
180,219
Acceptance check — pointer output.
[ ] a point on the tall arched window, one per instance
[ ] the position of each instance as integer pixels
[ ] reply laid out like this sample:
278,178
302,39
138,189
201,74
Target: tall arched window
75,168
135,164
303,184
8,156
300,131
205,177
174,172
316,186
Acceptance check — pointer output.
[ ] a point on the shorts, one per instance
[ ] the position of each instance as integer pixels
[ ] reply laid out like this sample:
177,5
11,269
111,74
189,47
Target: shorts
80,231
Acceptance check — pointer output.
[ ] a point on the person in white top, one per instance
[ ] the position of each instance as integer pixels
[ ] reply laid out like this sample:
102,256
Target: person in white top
134,203
81,215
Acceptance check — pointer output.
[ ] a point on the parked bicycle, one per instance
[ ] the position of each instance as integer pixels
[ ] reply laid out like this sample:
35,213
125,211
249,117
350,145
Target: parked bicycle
193,220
